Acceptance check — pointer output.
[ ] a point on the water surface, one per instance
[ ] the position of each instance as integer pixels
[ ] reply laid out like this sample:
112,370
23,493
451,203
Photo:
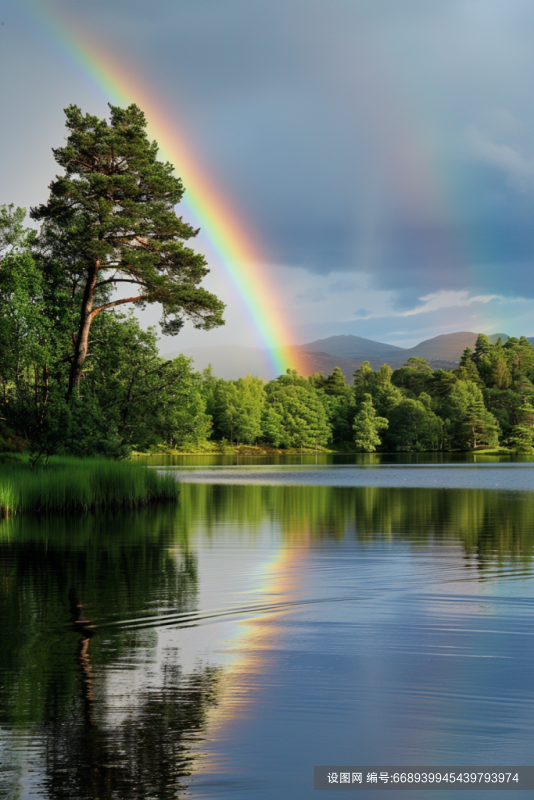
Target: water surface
224,647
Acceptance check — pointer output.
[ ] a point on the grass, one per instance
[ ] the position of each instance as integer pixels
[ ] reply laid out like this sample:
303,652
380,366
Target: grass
81,485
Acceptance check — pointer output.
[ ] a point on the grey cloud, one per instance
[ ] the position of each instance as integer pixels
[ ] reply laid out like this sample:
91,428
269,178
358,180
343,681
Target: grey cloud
312,295
348,285
337,128
505,157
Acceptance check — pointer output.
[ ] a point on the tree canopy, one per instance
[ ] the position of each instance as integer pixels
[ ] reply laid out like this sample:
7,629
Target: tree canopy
110,221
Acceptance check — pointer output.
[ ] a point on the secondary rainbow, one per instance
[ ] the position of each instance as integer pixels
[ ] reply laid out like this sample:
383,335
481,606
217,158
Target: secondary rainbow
240,258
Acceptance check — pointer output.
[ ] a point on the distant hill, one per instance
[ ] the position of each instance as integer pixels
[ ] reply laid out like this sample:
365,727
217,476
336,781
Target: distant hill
233,361
353,347
449,346
346,352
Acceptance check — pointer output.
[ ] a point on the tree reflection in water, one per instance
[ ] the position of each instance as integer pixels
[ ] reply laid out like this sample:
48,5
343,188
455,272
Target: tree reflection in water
59,581
69,671
146,755
487,523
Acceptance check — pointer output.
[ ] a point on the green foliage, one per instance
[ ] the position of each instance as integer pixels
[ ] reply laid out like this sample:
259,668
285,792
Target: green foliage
501,373
482,347
364,380
469,372
128,398
467,356
414,377
143,398
442,383
414,426
340,410
238,407
505,406
110,220
335,384
317,380
29,361
522,438
384,375
367,426
470,423
294,414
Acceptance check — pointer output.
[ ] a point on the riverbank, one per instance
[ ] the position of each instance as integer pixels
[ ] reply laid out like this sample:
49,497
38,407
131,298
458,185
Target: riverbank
79,485
221,448
218,448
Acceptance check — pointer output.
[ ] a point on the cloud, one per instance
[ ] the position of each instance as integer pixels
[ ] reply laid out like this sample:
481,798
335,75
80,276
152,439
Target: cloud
437,301
347,285
333,131
518,169
447,299
312,295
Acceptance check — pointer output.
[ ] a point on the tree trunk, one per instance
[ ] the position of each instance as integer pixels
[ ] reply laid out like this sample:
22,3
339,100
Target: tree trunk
82,340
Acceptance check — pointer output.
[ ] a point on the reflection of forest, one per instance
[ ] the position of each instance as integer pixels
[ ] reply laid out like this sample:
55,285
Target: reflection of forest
61,579
58,580
490,523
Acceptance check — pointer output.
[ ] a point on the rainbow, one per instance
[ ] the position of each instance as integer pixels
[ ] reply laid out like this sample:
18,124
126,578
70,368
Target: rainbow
240,258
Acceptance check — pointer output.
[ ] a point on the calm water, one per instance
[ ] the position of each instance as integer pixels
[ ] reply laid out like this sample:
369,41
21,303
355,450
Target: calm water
274,620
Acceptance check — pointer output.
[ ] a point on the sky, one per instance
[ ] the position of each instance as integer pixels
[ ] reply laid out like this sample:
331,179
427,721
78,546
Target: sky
379,153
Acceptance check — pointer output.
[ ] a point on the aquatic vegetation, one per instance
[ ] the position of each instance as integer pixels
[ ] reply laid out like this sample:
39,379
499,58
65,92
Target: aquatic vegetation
80,485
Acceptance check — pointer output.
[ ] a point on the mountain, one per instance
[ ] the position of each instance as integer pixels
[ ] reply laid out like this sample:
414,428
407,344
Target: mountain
346,352
354,347
233,361
441,352
449,346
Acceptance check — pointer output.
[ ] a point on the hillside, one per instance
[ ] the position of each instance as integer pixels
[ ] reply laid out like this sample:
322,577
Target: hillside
347,352
234,361
448,347
354,347
444,349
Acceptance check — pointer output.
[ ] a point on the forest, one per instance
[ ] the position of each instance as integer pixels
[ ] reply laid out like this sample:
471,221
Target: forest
485,402
79,376
130,399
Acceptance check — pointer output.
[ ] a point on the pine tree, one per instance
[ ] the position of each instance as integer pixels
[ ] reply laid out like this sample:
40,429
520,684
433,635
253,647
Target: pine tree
469,372
482,347
467,356
501,373
522,438
480,425
110,220
367,426
335,383
363,377
384,375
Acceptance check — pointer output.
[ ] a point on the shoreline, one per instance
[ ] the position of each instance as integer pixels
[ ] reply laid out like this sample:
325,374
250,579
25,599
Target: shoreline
255,450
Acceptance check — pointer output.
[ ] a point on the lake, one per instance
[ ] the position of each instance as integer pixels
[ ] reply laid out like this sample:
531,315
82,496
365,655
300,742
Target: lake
287,613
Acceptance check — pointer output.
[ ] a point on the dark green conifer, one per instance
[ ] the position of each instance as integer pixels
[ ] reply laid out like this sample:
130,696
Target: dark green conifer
335,383
110,220
482,347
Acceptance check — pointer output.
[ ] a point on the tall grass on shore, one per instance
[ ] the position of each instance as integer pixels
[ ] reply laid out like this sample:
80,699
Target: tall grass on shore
80,485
